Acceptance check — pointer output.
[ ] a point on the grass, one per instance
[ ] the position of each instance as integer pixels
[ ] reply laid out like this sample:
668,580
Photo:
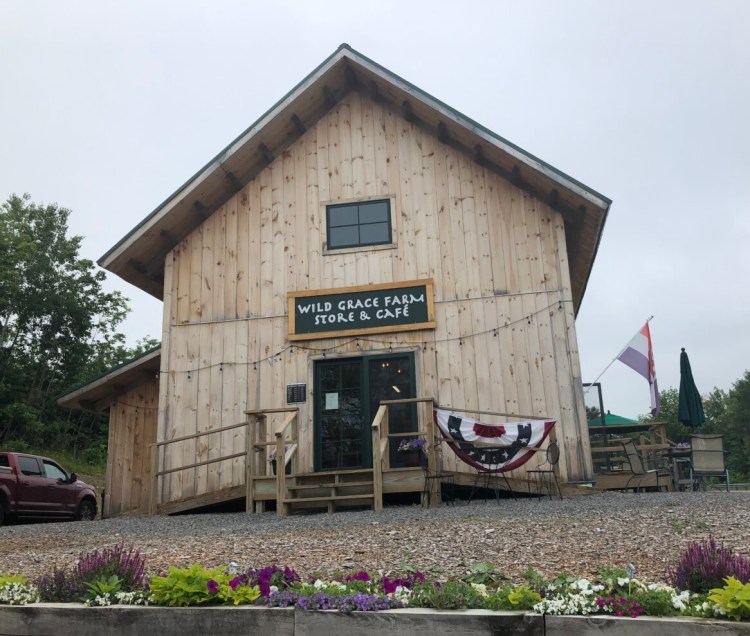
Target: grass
70,461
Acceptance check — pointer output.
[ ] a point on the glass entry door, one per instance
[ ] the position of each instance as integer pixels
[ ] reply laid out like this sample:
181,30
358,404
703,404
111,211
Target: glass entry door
347,396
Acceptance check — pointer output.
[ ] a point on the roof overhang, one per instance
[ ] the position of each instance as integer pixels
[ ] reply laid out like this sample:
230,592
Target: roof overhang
139,257
97,395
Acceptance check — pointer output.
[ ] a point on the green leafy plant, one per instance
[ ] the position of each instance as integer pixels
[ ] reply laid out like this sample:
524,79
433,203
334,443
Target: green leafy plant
448,595
7,579
535,579
655,602
482,574
677,525
16,590
733,598
523,597
103,587
197,585
513,598
183,587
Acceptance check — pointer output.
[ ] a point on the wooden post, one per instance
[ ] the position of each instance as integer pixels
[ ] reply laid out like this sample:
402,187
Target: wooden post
280,476
432,457
377,458
249,443
153,503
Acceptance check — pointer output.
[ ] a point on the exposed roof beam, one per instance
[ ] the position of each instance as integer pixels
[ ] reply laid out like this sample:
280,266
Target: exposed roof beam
330,96
408,112
442,133
373,92
299,125
266,152
515,175
138,266
201,209
351,77
234,182
554,197
170,240
477,154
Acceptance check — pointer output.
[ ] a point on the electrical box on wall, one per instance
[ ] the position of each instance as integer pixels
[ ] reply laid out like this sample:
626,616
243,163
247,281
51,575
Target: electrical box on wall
296,393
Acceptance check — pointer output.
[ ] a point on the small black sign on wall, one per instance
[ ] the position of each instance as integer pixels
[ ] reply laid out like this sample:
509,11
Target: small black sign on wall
296,393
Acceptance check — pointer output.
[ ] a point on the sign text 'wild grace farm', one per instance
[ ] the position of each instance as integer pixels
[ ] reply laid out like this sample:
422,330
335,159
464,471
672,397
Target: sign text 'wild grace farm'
361,310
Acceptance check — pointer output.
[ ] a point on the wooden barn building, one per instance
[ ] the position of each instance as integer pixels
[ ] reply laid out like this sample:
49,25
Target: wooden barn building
361,242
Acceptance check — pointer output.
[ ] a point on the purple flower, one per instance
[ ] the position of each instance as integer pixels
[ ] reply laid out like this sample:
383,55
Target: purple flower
359,576
234,583
212,586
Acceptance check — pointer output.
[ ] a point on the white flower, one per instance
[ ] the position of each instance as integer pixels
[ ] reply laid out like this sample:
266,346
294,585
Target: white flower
480,587
680,601
273,588
318,584
232,568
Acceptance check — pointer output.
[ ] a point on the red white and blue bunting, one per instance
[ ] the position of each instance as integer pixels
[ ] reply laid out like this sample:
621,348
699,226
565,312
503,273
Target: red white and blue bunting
509,441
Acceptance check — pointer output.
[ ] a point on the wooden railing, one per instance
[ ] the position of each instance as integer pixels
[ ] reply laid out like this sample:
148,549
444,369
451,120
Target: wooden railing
256,440
606,451
381,437
285,444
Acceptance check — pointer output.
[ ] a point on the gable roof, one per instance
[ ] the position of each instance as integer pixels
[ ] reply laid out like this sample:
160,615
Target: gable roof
139,256
96,394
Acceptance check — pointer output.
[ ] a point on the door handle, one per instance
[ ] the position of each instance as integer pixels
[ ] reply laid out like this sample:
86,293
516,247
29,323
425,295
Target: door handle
24,483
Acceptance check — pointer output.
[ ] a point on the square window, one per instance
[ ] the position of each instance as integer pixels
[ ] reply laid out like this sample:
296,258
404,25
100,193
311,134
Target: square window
359,224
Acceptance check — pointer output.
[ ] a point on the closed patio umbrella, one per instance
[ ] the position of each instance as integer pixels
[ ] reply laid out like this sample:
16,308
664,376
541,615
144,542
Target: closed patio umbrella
690,411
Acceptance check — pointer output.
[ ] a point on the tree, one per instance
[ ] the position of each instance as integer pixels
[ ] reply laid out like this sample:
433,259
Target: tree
736,428
57,325
676,430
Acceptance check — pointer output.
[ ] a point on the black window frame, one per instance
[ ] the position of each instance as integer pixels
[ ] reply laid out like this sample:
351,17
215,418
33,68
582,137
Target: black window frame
332,245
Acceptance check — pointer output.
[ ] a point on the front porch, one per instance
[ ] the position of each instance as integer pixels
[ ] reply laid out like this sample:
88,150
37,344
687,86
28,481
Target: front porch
273,433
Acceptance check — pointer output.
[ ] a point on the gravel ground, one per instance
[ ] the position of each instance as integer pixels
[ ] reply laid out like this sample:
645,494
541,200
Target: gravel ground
575,535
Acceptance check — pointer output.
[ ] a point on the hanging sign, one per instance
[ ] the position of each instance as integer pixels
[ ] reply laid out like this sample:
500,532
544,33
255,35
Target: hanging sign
364,309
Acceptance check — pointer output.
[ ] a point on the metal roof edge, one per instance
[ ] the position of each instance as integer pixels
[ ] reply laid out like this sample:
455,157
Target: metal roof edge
227,151
346,51
114,371
483,131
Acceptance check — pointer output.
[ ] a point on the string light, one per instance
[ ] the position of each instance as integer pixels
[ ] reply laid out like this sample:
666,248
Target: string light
358,344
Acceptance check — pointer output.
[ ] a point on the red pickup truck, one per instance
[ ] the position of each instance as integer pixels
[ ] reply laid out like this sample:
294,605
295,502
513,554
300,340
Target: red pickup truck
32,486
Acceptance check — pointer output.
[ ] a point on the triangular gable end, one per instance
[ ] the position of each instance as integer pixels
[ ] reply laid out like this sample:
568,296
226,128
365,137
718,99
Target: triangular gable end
139,257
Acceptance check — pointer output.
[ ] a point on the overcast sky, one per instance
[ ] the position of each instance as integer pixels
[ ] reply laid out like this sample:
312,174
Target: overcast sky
108,107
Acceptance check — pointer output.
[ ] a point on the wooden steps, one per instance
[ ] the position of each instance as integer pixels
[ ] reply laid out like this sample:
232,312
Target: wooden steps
333,490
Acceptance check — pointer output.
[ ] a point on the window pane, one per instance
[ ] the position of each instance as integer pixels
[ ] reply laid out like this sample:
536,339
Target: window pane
374,233
342,215
373,212
343,236
53,472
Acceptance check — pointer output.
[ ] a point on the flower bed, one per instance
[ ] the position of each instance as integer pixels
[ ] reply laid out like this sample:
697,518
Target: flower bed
714,583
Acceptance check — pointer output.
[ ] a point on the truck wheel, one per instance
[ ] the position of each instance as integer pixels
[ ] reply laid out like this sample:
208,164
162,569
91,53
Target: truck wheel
86,511
2,513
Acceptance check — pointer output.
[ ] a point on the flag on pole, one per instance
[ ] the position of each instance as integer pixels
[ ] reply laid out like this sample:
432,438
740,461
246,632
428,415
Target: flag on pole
638,354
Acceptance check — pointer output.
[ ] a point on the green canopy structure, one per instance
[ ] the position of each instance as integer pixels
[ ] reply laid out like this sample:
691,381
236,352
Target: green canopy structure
610,419
690,409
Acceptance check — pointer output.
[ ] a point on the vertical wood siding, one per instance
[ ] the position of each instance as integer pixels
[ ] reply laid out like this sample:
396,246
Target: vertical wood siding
132,427
505,339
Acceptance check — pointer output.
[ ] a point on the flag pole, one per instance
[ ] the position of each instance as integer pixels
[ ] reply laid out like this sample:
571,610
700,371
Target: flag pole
586,390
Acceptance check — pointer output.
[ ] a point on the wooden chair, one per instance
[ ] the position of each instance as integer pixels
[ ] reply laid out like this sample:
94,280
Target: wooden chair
545,477
638,470
707,459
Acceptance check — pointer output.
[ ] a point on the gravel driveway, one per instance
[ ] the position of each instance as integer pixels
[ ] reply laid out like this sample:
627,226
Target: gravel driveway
575,535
